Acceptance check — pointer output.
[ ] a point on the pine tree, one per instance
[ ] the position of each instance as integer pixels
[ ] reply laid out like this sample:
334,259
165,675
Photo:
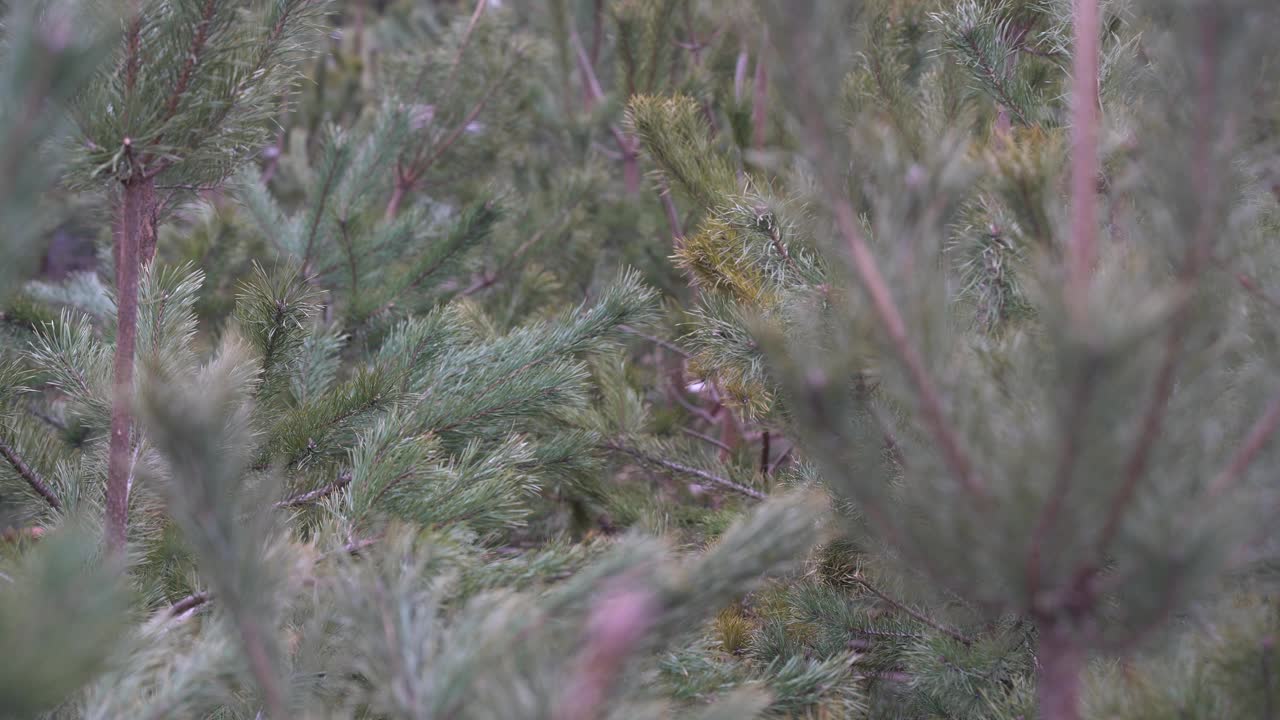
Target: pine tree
183,102
987,281
1037,408
342,448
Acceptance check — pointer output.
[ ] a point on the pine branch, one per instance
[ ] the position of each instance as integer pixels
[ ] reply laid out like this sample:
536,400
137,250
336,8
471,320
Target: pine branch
1198,254
1253,288
408,175
192,59
656,341
1080,398
26,472
915,614
312,496
593,93
463,43
685,469
891,320
188,603
706,438
493,278
993,79
1259,435
335,169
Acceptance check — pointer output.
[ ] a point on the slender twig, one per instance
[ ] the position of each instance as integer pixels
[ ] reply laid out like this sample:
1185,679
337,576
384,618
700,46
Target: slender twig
591,91
326,189
1197,255
1255,441
188,187
918,616
355,546
665,344
685,469
254,643
592,94
705,438
492,279
457,57
891,319
443,146
740,72
312,496
1251,286
777,462
18,534
700,412
132,56
1080,398
26,472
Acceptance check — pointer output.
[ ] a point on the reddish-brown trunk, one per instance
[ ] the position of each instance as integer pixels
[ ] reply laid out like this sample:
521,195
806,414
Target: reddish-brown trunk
1062,662
135,245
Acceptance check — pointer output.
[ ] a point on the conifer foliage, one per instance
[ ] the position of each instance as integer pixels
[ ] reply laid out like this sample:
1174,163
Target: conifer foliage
930,373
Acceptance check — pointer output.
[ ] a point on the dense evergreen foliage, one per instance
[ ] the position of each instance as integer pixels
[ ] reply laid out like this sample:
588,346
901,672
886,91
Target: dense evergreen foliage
903,359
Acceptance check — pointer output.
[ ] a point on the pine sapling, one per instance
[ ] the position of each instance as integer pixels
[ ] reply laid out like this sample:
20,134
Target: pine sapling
184,103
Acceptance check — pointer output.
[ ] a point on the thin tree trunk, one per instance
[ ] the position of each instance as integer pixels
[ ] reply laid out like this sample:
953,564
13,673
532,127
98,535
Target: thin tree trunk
135,245
1082,250
1062,664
